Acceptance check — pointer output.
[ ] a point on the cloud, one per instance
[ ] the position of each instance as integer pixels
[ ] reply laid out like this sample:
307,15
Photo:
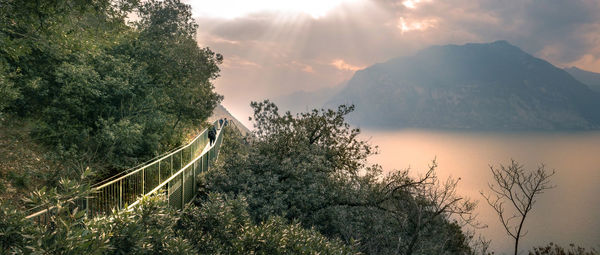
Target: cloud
269,53
235,62
412,4
418,25
340,64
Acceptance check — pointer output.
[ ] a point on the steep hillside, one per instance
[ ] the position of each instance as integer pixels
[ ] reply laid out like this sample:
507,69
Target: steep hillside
302,101
24,164
590,79
221,112
491,86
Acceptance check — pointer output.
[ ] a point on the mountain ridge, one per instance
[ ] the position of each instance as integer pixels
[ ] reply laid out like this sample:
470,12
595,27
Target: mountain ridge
487,86
591,79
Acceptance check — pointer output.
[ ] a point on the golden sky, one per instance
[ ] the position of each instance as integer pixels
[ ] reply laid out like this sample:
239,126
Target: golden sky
276,47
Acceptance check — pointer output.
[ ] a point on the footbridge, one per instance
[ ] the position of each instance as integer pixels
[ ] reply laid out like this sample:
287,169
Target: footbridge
173,174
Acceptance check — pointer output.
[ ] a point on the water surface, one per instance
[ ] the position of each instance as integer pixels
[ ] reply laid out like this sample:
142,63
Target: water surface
568,213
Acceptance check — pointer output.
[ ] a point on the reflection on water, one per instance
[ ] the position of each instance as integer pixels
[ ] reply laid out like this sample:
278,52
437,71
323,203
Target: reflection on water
568,213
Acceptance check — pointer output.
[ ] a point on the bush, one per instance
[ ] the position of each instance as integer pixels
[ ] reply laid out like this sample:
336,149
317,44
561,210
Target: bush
555,249
220,225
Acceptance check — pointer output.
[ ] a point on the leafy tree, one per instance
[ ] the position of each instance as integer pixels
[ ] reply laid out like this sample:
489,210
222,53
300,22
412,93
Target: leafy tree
312,168
175,62
220,225
104,92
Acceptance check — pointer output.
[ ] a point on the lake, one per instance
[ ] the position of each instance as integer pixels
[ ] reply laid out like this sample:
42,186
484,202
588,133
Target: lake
569,213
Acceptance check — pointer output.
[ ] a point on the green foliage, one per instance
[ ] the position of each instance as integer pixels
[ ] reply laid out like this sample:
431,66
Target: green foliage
219,225
103,91
147,229
555,249
14,229
311,168
8,91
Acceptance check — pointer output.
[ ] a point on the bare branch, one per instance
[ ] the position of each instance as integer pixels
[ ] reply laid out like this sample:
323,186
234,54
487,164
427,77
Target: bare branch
520,188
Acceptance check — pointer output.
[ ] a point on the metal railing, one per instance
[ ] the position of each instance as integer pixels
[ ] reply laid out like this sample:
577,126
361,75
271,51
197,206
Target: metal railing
175,174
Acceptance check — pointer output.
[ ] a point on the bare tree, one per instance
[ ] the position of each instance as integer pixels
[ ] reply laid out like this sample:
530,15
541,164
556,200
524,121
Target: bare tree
425,200
518,188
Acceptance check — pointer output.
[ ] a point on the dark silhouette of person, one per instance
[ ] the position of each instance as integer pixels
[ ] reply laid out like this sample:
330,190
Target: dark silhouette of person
212,135
225,122
220,123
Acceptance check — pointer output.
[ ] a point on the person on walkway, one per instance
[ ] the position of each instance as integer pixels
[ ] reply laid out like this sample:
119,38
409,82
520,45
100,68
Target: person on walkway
212,135
220,123
225,122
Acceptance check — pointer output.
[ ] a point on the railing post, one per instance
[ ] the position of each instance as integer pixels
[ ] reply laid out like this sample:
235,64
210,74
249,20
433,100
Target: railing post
87,205
182,189
144,181
194,166
121,194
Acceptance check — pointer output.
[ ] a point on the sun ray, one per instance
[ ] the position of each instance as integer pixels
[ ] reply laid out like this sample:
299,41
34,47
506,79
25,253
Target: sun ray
237,8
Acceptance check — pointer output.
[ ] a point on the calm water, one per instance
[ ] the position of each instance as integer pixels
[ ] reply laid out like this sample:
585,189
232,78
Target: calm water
568,213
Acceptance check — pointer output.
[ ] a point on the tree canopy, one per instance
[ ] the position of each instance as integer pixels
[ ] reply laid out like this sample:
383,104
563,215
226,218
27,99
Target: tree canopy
312,168
102,87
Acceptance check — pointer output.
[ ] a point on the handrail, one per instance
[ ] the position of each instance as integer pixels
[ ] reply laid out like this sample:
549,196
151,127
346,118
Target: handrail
101,184
147,162
118,192
175,175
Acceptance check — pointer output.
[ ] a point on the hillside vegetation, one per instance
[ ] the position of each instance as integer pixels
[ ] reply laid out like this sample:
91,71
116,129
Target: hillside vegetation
99,88
90,88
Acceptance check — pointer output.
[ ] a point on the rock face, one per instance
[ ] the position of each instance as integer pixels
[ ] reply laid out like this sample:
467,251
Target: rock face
492,86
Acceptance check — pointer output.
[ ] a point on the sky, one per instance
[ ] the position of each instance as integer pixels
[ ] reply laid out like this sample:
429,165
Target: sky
276,47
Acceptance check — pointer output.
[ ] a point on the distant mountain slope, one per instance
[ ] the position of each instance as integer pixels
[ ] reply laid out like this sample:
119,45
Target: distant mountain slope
221,112
590,79
302,101
490,86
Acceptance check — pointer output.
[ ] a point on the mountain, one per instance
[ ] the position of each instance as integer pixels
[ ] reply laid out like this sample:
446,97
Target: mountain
221,112
590,79
488,86
302,101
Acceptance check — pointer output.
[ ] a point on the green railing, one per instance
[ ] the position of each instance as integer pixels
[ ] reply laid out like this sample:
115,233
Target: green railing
174,173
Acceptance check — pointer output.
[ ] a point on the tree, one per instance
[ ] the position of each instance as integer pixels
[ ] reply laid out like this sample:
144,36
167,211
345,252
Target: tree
311,168
221,225
519,188
180,70
100,89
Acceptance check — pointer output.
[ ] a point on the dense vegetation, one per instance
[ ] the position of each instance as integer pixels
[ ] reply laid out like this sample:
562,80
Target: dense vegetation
312,168
299,186
106,83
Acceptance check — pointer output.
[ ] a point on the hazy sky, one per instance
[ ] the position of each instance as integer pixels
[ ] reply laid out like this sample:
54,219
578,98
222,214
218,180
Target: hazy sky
275,47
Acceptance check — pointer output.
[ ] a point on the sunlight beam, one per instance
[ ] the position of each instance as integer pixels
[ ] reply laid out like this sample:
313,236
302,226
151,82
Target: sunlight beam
237,8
